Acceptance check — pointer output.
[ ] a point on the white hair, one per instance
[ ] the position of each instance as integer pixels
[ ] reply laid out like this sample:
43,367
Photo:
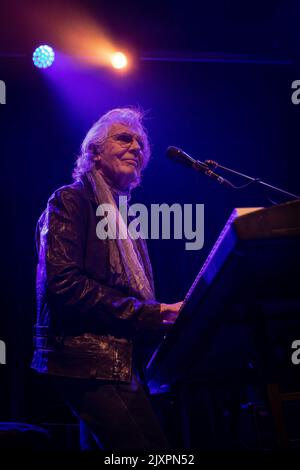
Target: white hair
131,117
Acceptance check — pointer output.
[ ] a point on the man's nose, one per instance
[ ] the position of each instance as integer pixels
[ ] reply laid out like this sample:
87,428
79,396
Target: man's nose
135,147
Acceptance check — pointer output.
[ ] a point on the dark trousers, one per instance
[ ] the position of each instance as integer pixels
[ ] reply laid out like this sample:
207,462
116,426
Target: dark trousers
113,415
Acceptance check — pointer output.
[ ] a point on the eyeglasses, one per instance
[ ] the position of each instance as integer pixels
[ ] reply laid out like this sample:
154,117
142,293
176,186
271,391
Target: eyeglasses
125,139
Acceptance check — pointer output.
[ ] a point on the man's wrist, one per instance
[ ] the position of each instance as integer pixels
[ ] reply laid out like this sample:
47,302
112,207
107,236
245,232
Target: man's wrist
163,307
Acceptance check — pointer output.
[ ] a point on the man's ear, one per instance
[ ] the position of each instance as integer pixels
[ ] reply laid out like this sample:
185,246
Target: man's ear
95,150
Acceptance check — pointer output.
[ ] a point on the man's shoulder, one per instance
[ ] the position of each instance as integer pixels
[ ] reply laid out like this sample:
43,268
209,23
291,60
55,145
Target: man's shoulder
68,202
74,192
76,188
72,197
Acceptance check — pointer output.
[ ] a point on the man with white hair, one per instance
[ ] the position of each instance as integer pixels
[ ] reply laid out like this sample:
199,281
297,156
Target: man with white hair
95,295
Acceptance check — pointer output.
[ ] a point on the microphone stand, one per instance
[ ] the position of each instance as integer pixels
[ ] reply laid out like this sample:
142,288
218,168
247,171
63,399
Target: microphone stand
212,163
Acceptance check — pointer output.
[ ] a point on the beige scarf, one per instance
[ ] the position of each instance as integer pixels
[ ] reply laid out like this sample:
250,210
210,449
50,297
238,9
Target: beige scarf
127,266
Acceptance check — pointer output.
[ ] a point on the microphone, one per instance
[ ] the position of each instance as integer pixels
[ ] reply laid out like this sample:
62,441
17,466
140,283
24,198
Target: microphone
180,156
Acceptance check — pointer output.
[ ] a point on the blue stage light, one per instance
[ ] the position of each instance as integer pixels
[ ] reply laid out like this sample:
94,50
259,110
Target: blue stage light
43,57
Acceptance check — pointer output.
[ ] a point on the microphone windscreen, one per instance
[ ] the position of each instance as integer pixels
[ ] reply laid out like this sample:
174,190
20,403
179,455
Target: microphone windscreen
179,156
173,152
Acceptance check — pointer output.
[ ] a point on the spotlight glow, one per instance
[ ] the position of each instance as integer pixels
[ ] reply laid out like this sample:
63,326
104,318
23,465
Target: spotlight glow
43,57
119,60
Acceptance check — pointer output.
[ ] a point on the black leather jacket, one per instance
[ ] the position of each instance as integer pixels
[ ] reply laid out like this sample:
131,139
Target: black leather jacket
85,327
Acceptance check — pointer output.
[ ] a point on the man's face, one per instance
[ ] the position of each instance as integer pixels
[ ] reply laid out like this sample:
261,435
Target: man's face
121,155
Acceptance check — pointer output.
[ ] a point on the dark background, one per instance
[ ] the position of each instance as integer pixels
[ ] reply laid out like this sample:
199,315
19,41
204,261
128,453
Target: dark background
221,90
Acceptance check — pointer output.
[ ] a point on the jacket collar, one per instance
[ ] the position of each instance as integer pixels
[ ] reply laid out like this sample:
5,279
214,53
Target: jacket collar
84,181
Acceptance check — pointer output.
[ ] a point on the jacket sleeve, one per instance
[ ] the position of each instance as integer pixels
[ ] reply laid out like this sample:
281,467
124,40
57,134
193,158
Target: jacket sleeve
61,246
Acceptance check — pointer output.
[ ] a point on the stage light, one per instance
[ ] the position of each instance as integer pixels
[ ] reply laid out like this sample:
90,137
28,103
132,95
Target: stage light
43,57
119,60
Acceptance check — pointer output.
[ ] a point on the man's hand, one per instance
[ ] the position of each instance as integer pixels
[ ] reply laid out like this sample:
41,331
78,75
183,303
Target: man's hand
170,312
